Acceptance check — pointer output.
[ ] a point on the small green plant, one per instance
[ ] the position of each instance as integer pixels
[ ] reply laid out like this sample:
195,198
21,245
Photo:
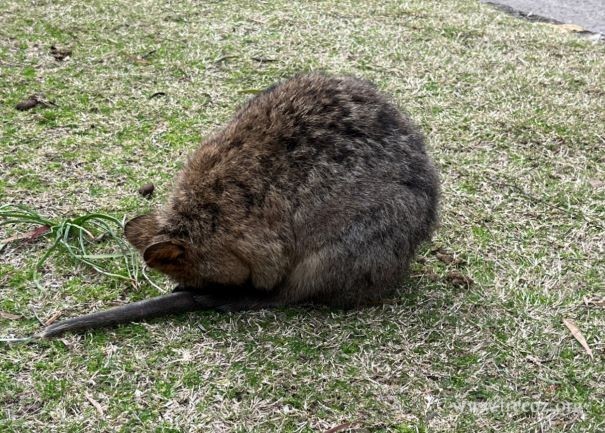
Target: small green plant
84,239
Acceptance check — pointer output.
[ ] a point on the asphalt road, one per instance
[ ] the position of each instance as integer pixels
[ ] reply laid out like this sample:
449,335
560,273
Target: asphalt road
589,14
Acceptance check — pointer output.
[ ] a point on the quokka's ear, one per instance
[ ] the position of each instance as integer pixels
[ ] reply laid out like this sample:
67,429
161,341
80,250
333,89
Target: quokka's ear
140,230
169,256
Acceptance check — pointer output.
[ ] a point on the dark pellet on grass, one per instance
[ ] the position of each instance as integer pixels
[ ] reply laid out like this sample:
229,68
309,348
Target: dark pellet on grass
59,54
28,104
147,190
457,279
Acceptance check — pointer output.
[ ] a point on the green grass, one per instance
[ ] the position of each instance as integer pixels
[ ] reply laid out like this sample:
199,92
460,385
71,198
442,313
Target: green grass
82,239
513,113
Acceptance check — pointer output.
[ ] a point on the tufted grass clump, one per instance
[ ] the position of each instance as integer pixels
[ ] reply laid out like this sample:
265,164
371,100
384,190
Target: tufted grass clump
92,239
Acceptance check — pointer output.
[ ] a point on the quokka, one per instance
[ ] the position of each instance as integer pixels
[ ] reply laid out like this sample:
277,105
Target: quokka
318,191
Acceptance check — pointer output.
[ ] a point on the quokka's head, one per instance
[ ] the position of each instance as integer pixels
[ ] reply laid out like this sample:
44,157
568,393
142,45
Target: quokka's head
189,261
160,250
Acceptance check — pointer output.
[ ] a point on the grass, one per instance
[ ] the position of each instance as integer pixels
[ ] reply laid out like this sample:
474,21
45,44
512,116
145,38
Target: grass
513,113
78,238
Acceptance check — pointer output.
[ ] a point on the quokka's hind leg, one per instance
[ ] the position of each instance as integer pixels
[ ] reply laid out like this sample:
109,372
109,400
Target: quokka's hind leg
339,278
228,298
362,266
236,303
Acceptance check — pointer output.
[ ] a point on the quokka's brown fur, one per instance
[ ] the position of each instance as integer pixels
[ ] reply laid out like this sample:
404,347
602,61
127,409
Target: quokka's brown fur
319,190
